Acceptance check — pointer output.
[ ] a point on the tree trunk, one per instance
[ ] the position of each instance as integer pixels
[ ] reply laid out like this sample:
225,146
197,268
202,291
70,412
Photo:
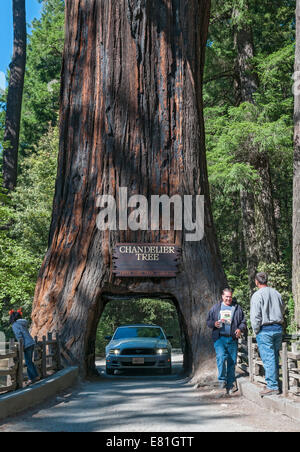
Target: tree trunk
267,251
249,234
247,78
14,97
131,116
245,87
296,196
258,218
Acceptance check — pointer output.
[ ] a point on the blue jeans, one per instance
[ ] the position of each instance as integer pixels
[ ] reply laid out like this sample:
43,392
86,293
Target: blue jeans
31,369
269,345
226,350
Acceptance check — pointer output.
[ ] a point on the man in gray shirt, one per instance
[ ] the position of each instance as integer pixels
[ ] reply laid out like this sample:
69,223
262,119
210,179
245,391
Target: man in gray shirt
267,317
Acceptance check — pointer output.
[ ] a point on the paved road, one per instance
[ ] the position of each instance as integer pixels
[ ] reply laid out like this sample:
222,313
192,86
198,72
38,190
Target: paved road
146,403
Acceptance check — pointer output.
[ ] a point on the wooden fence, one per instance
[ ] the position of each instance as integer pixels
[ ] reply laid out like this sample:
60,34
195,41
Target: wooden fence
47,359
250,362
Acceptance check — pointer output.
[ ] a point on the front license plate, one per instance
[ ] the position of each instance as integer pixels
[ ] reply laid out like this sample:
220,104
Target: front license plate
138,361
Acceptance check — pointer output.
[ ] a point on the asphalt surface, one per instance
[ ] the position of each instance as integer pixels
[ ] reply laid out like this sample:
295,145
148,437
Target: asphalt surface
148,402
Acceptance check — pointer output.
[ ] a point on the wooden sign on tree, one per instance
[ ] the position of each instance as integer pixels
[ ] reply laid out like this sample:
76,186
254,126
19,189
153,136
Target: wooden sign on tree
146,260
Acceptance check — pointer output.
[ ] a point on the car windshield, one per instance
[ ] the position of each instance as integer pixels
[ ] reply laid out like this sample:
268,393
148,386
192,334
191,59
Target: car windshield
136,332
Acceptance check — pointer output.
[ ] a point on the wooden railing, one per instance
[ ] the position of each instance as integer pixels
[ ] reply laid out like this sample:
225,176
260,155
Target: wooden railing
250,363
47,359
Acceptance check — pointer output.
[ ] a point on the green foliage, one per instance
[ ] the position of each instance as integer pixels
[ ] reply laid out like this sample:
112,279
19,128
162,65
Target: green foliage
275,92
33,198
234,133
42,78
17,268
292,327
24,224
25,215
146,310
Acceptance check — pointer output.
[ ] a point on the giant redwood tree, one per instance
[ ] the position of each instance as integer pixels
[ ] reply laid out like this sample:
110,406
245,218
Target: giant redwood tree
131,116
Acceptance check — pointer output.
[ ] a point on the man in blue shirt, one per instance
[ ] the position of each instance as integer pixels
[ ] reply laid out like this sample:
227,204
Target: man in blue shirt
227,321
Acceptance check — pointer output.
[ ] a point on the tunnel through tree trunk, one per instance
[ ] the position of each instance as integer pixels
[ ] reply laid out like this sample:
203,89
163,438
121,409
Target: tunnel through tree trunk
131,116
181,337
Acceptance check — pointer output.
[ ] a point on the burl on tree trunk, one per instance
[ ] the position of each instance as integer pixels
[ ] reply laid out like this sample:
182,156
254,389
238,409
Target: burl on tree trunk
131,116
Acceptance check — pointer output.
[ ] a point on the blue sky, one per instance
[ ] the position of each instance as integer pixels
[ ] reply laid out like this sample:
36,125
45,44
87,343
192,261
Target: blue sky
33,10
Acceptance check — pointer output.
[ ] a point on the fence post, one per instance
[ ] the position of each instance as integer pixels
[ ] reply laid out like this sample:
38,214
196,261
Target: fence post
250,358
38,356
50,349
284,366
58,357
11,362
20,378
44,357
35,354
11,345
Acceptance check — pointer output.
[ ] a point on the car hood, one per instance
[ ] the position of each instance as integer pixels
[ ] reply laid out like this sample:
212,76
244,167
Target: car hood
145,342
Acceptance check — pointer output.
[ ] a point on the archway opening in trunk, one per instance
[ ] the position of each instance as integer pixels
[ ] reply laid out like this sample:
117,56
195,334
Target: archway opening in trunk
143,309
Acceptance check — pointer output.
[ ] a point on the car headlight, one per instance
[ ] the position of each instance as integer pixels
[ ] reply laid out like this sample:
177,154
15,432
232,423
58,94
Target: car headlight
114,351
162,351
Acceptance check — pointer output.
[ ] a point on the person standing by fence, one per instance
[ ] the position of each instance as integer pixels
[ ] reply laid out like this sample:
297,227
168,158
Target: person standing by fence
267,317
227,321
20,329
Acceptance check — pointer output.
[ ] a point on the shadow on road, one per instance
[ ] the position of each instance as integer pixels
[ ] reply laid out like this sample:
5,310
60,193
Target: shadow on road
135,402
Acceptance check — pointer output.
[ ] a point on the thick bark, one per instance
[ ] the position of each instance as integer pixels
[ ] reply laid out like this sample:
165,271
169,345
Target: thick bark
296,196
14,97
131,116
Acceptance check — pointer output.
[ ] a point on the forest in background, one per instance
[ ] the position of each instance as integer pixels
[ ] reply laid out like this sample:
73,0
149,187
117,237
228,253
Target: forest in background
248,107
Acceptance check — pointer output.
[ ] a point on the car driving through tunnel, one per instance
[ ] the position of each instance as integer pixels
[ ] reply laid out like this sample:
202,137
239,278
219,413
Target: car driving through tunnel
138,347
